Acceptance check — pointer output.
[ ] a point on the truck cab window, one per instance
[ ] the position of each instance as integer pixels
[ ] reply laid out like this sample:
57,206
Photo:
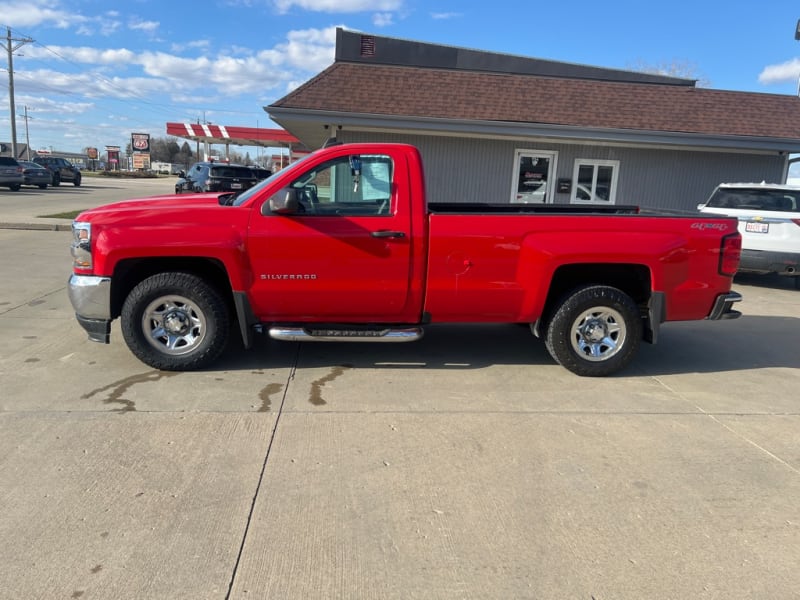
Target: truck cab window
337,188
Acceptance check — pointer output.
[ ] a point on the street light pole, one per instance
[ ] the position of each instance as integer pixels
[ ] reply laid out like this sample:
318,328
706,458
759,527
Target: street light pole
10,48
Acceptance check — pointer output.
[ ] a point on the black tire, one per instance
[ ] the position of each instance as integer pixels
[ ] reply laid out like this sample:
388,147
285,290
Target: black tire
42,186
595,331
56,180
195,311
77,181
15,187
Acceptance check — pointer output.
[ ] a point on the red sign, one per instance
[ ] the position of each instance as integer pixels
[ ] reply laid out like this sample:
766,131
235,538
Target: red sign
140,142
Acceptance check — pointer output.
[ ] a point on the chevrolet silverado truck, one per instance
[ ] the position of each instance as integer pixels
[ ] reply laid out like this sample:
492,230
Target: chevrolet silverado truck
343,245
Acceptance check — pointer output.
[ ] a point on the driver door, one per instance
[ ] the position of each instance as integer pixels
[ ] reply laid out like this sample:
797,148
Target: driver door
342,254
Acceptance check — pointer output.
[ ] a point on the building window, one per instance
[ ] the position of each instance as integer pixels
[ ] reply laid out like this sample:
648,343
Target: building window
594,181
532,182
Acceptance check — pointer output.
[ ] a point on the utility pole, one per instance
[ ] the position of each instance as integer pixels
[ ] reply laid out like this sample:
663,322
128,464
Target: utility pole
27,137
11,47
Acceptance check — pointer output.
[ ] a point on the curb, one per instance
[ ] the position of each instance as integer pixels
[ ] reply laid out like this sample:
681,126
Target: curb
38,226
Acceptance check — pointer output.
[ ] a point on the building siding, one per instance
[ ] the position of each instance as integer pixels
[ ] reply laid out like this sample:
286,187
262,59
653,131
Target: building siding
481,170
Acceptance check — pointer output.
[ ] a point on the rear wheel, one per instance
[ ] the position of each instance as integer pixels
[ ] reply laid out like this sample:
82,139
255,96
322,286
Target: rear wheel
42,186
595,331
56,180
175,322
77,181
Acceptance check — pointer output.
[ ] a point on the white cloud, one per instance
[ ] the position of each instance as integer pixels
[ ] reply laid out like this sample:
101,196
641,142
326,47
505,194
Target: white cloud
787,72
82,54
446,15
382,19
30,13
27,13
147,26
309,49
108,26
89,84
248,72
45,104
79,83
200,44
339,6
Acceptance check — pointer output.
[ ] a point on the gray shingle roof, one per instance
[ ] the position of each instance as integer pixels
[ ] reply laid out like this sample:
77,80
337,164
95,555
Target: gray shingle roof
423,92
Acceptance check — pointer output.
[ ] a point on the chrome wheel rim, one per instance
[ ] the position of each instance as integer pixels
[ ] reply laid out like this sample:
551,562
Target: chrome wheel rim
598,333
174,325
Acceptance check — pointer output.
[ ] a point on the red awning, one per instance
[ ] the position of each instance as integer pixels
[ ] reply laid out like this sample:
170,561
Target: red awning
241,136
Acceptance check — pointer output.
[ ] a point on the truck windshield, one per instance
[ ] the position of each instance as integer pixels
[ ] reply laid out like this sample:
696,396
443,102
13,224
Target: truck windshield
253,191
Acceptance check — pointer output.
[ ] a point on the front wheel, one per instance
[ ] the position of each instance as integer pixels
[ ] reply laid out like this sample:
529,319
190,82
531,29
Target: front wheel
596,331
175,322
77,181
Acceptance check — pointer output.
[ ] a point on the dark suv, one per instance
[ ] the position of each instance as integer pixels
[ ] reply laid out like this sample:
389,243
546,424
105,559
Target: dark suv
60,169
11,173
216,177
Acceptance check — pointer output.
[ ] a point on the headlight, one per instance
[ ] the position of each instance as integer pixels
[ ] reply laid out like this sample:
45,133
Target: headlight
81,246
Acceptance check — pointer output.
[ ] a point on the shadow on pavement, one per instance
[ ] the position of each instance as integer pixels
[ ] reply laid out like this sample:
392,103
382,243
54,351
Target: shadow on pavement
750,342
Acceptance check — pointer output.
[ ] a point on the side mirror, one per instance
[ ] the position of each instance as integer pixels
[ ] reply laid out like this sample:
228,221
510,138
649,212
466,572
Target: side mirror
284,202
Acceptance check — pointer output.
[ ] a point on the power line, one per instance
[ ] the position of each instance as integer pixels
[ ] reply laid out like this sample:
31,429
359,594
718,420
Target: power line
11,47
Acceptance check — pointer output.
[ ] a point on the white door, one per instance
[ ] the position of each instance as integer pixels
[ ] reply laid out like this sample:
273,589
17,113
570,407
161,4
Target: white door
533,182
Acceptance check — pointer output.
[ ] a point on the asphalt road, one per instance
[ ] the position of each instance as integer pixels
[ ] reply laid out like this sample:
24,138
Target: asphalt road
466,465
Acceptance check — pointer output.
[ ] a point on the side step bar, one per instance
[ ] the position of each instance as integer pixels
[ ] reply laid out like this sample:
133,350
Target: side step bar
346,334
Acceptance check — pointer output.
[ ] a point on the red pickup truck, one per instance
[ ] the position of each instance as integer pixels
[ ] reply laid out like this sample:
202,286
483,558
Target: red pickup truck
343,245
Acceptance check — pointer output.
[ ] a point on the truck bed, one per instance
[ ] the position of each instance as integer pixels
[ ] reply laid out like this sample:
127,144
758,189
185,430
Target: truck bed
488,208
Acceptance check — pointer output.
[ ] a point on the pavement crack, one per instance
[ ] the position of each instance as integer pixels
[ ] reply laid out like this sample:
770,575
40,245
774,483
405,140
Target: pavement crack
257,491
730,429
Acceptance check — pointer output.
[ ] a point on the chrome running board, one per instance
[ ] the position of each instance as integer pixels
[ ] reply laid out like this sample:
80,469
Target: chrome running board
346,334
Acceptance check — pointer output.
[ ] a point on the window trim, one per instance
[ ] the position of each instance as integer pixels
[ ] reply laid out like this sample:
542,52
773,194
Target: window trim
595,163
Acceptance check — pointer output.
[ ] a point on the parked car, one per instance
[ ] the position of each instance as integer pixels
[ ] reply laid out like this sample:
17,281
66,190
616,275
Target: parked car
261,173
11,173
34,174
60,170
769,221
216,177
183,183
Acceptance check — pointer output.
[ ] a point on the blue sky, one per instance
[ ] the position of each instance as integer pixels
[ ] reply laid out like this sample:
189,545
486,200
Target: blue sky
100,70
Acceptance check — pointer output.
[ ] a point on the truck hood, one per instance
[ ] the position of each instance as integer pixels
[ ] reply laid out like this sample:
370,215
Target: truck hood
165,210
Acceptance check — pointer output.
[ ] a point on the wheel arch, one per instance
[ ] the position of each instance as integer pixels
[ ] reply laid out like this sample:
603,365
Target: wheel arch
129,273
631,278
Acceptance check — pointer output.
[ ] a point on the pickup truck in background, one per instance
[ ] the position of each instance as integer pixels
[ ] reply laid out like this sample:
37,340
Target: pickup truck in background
343,245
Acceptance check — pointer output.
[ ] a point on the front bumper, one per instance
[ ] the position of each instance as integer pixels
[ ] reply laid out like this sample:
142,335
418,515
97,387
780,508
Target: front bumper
91,298
723,307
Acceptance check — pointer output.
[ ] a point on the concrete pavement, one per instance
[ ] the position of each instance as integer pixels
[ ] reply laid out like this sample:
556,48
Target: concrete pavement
466,465
31,208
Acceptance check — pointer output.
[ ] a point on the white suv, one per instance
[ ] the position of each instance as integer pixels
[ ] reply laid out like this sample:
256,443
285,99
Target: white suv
769,221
